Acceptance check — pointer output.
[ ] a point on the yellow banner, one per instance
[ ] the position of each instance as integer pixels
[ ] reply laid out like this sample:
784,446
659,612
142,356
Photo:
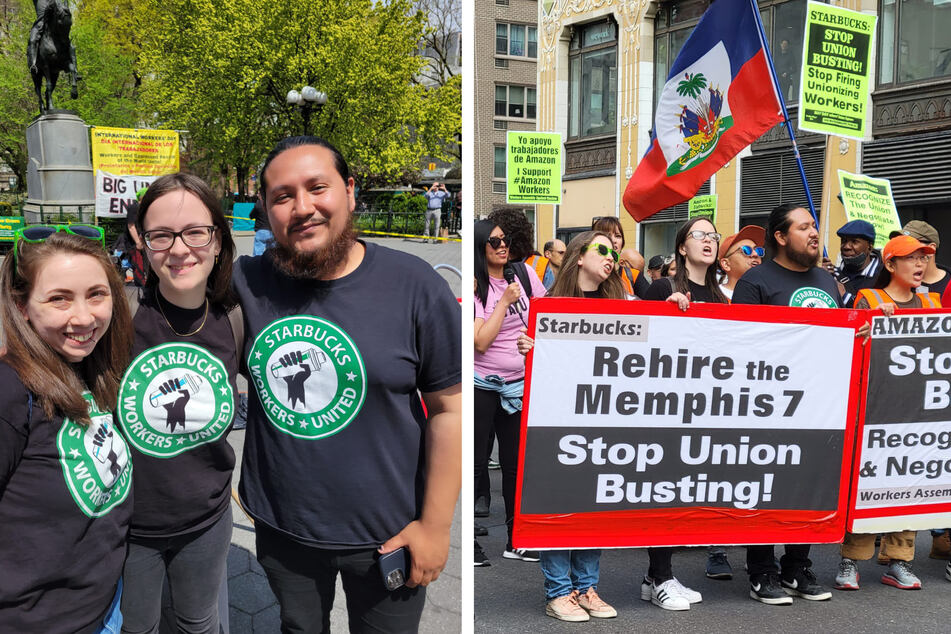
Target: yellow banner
129,152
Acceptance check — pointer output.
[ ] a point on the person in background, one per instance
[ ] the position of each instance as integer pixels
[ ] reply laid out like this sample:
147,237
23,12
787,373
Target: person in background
262,229
519,231
936,276
554,250
860,262
630,266
654,267
904,262
434,198
738,254
670,267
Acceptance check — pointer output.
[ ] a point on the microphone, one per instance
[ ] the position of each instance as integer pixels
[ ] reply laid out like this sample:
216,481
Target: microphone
508,273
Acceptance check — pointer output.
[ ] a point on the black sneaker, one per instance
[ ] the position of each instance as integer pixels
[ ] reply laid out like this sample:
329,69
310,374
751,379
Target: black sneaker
479,529
481,507
718,566
521,554
765,588
805,585
479,558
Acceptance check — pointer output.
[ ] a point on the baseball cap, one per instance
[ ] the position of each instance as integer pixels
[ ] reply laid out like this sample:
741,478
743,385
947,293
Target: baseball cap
903,245
750,232
656,262
920,230
858,229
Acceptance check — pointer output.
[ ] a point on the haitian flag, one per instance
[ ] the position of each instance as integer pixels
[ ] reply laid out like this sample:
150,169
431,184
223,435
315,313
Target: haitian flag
718,99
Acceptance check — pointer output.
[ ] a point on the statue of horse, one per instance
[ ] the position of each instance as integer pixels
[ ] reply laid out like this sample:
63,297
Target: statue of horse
50,52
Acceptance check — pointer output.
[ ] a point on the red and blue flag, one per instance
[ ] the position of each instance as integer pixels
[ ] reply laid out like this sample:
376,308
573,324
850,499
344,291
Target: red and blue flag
718,99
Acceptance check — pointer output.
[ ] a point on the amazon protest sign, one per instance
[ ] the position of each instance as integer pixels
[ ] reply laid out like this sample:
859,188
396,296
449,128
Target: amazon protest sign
870,199
903,464
836,70
533,168
644,426
703,206
125,160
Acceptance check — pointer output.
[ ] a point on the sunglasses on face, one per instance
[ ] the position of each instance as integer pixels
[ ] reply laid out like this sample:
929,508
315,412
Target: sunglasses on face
700,235
603,250
496,241
35,234
748,251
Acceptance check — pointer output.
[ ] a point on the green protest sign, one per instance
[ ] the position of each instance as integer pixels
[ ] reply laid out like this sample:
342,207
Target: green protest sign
870,199
533,168
703,206
837,56
8,226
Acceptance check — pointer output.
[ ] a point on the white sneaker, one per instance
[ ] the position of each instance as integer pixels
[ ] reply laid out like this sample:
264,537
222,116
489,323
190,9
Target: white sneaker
691,595
668,596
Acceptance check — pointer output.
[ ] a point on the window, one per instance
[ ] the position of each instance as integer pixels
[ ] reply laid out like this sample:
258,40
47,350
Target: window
515,101
783,22
517,40
499,171
914,42
592,79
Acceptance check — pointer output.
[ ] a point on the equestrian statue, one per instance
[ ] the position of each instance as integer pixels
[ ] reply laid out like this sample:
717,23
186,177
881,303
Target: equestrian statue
50,52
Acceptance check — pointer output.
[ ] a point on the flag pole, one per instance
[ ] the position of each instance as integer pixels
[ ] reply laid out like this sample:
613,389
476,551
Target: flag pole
782,102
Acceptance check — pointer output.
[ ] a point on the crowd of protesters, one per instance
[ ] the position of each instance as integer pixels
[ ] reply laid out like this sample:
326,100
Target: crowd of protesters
756,265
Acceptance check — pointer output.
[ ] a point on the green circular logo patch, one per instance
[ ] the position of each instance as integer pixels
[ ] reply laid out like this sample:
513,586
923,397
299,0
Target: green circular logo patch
309,376
175,397
95,461
810,297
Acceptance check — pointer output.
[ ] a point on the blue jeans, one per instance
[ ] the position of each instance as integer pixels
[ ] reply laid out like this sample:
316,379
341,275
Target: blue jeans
112,622
567,570
261,237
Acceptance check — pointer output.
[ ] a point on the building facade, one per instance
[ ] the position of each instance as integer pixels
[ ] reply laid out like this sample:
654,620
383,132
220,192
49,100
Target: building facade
602,64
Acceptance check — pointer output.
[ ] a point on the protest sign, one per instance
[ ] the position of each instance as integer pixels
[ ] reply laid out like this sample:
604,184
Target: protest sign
644,426
836,70
870,199
8,226
533,167
703,206
135,152
902,477
115,194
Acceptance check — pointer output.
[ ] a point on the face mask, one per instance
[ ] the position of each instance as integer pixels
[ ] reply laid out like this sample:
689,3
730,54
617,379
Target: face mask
853,263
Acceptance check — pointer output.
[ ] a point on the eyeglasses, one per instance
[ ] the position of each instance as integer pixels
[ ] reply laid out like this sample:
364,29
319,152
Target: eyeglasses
748,251
34,234
163,239
700,235
924,259
603,250
497,241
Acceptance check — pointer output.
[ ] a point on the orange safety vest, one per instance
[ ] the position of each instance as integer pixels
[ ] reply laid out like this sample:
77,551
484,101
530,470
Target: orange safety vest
876,297
628,277
539,263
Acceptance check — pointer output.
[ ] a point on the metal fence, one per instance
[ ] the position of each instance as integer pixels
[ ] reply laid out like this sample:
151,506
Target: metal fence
406,222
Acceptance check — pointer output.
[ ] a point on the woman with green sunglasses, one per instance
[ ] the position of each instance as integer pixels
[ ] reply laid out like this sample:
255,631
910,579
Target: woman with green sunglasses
176,404
65,473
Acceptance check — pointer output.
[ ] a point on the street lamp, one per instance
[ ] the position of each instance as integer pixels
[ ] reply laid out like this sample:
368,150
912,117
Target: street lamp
13,181
307,98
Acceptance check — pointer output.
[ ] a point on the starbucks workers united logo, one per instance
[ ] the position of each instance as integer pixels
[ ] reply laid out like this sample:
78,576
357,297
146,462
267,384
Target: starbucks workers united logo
309,376
95,461
811,297
175,397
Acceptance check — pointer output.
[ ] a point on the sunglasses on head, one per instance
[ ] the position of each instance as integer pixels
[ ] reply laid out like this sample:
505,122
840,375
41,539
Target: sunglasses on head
496,241
603,250
35,234
748,251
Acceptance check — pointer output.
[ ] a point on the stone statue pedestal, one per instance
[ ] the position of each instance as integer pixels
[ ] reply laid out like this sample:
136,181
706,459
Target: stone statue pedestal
59,177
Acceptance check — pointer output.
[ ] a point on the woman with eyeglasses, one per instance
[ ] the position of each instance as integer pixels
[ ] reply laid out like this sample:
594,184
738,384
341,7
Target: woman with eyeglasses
176,405
501,313
65,473
904,260
695,251
571,576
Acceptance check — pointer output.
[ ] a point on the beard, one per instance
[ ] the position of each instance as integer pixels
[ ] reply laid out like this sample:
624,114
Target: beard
309,265
802,258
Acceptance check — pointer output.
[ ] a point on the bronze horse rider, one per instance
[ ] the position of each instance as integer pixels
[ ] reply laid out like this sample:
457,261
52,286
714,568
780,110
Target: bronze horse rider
49,50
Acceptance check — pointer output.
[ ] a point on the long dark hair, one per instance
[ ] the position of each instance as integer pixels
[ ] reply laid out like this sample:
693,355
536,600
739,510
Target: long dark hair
480,236
566,283
681,279
56,384
518,230
778,221
218,286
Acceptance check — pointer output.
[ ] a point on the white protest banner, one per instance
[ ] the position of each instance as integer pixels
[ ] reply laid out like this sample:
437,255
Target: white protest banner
115,194
902,468
646,426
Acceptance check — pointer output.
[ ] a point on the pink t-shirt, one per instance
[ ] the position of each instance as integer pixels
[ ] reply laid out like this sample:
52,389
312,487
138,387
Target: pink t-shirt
502,357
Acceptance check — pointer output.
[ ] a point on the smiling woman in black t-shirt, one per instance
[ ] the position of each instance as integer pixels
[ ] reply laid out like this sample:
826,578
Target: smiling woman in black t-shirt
65,474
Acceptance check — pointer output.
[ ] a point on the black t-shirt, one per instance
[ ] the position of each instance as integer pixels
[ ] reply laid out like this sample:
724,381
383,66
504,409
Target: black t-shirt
334,452
663,288
775,285
641,285
65,503
176,405
939,286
